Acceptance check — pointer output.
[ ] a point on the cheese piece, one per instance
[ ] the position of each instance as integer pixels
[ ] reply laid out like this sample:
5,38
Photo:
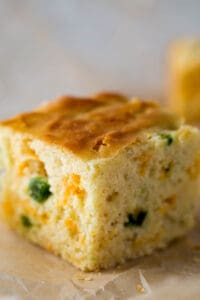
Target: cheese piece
184,78
99,180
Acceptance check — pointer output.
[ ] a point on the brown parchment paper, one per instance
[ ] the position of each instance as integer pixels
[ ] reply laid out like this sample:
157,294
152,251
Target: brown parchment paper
29,272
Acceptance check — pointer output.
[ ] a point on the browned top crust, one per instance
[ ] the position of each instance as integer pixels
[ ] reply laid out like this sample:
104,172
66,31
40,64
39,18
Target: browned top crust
94,127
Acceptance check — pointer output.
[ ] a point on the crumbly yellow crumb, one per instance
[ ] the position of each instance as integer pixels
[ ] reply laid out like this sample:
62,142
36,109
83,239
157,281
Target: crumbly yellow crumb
80,276
140,288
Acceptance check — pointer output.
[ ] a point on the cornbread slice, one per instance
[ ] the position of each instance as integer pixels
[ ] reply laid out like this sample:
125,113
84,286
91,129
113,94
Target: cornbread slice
99,180
184,78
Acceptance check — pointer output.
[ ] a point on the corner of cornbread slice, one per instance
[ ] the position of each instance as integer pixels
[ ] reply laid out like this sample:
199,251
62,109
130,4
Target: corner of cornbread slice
99,180
184,78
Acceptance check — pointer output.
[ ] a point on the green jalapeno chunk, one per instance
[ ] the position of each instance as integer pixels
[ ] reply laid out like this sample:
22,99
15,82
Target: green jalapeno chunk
39,189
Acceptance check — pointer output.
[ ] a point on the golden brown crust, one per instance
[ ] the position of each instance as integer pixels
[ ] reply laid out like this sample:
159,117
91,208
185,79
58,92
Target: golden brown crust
92,127
74,105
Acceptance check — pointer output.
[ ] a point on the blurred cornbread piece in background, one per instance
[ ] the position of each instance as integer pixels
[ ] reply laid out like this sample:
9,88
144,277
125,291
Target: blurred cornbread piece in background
99,180
184,78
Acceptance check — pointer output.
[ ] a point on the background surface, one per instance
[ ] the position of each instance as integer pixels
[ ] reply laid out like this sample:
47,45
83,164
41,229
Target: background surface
49,48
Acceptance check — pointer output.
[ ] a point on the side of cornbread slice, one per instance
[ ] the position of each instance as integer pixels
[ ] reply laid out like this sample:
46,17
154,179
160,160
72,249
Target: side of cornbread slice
100,180
184,78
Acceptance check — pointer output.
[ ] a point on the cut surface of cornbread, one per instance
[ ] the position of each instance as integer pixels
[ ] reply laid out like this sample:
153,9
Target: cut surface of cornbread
184,78
99,180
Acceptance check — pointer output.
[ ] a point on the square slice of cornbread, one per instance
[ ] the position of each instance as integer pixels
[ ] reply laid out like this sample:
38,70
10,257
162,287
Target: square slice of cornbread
99,180
184,78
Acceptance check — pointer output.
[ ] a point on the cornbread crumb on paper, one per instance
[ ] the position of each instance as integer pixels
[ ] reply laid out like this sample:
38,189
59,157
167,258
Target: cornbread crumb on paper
140,288
80,276
99,180
144,283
